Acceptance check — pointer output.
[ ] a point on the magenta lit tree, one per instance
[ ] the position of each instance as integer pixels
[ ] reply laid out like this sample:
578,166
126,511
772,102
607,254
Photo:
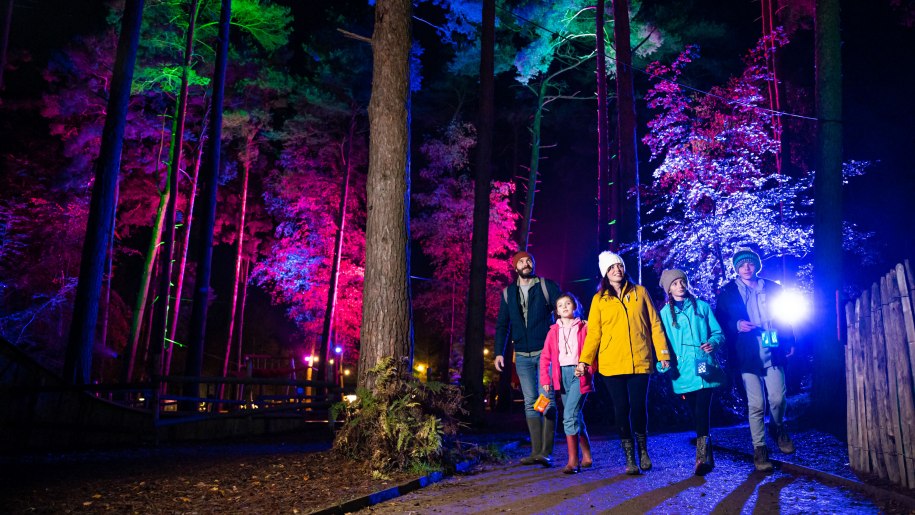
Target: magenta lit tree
442,225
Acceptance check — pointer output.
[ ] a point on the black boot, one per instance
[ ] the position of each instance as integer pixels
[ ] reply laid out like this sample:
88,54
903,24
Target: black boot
535,428
644,460
545,456
761,459
629,448
704,460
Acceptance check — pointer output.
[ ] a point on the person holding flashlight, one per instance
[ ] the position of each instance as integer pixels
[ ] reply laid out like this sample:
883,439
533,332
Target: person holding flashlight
759,347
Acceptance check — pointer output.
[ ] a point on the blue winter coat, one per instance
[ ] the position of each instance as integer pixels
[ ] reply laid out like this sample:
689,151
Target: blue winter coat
696,324
511,333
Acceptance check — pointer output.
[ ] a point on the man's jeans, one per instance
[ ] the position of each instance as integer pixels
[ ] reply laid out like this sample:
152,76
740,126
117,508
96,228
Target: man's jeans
774,383
528,368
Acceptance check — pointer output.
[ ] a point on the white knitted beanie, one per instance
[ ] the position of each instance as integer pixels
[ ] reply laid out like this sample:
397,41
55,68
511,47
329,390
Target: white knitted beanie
606,259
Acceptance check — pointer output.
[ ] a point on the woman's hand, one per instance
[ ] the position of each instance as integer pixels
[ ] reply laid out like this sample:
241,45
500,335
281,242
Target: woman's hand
665,364
580,369
707,347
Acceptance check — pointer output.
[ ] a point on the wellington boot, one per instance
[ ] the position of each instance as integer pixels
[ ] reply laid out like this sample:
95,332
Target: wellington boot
704,461
585,442
629,448
573,466
545,456
644,460
535,428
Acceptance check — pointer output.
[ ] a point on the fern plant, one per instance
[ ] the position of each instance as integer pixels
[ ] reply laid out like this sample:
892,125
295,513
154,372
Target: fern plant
401,423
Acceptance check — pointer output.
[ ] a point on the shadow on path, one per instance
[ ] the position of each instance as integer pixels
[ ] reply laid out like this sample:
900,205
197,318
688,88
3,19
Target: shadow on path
652,498
554,498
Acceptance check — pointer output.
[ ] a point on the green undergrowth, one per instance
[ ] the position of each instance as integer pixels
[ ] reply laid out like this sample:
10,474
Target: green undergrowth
403,424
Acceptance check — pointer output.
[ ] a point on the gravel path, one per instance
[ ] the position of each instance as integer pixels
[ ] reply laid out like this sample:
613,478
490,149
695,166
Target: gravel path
733,487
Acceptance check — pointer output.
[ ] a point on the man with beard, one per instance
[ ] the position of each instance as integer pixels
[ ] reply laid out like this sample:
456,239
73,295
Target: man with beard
524,320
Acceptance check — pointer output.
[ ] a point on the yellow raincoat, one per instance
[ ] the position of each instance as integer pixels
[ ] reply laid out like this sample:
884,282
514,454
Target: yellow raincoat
621,332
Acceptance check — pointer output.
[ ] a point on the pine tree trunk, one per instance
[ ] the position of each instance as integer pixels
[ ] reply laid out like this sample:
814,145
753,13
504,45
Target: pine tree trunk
160,319
239,257
197,332
109,269
607,204
5,40
182,261
78,358
525,235
386,329
827,228
243,298
327,335
626,134
472,369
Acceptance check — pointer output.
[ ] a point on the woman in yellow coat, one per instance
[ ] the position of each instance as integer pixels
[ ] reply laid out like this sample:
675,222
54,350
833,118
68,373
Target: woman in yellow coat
623,326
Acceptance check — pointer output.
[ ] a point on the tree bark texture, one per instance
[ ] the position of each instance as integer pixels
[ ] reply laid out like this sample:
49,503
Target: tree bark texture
607,206
472,373
626,134
207,215
78,357
827,228
166,256
386,310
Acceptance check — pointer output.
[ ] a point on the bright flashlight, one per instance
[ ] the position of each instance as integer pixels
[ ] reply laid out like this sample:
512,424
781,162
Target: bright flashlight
790,307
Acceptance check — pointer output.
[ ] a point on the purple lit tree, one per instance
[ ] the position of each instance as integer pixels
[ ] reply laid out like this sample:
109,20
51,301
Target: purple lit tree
717,186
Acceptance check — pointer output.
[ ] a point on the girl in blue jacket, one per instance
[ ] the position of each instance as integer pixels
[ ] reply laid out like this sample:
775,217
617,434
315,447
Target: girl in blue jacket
694,336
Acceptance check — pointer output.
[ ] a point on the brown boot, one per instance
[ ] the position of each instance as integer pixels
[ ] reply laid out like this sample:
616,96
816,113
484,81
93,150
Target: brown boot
585,442
573,466
761,459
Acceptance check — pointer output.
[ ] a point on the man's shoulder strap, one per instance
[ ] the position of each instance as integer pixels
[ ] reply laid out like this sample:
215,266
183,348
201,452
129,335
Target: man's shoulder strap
546,292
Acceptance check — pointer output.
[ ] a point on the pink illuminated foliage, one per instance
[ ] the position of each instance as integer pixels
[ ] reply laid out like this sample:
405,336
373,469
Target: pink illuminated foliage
442,225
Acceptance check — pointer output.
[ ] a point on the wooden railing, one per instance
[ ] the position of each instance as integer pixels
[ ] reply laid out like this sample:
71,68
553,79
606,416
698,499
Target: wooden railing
879,370
40,410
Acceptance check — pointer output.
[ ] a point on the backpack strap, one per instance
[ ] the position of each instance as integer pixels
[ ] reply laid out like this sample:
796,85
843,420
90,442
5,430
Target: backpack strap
546,293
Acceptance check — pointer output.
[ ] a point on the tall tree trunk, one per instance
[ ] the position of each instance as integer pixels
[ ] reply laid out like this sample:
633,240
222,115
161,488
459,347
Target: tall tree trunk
78,358
243,298
152,250
5,39
608,206
827,228
628,142
160,319
109,269
182,261
239,257
474,331
325,351
534,171
197,333
386,328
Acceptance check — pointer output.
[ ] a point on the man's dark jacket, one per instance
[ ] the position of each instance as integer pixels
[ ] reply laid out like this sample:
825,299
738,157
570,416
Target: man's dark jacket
743,348
510,324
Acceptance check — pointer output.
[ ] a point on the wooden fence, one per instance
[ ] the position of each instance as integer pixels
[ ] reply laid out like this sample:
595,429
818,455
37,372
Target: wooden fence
879,370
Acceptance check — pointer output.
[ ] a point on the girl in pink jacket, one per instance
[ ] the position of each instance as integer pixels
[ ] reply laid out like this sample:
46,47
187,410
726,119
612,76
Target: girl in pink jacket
560,355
